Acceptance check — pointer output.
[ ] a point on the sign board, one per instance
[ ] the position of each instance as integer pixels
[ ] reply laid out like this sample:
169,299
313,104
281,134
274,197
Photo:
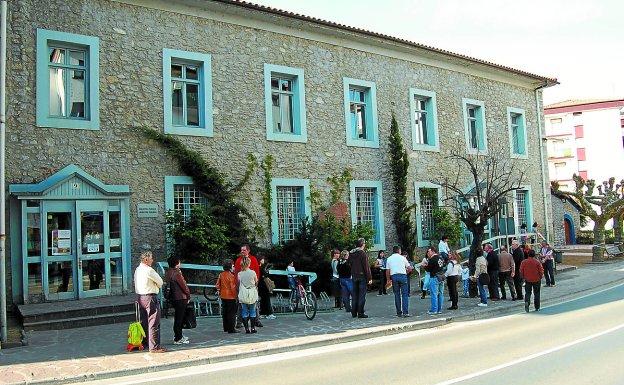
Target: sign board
61,242
147,210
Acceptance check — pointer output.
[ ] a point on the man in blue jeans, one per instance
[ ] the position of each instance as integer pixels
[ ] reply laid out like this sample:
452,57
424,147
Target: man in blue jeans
397,267
436,287
361,276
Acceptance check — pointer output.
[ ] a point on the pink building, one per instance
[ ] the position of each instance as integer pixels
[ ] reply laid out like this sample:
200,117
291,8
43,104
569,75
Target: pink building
585,137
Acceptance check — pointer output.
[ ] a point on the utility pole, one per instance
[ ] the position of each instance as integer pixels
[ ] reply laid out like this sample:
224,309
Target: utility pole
3,290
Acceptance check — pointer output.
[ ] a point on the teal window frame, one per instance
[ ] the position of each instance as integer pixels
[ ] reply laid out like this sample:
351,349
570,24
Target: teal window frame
288,182
204,61
528,207
522,151
296,75
91,46
417,186
482,143
372,128
431,110
380,234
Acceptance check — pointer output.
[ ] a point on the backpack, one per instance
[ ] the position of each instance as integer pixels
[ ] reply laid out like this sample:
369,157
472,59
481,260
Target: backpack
136,334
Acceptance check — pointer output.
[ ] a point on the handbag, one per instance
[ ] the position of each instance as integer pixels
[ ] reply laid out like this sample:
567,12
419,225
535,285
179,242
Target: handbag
441,277
270,285
247,295
189,321
484,279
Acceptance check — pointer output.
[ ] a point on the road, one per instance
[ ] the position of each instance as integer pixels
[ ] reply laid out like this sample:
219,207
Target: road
577,342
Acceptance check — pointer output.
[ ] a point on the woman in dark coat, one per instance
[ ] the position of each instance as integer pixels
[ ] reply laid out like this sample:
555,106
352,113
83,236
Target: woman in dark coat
266,310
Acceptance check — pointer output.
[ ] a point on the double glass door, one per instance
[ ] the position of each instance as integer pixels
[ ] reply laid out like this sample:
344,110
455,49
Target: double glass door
83,243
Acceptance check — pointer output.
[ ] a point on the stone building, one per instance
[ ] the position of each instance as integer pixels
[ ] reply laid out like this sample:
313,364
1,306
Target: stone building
566,219
229,78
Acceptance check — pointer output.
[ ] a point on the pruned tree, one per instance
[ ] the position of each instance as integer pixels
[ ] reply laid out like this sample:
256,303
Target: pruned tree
475,193
598,202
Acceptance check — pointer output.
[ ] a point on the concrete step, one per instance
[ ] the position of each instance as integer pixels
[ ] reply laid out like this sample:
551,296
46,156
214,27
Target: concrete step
79,322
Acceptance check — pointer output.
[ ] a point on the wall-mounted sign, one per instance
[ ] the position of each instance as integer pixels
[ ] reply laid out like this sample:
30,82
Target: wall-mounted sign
147,210
61,242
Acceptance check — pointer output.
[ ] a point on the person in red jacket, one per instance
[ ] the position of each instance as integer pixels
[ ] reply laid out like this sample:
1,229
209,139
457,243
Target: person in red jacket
532,272
245,251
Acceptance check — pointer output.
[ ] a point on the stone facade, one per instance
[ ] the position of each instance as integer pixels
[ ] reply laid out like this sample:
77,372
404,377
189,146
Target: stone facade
562,208
132,39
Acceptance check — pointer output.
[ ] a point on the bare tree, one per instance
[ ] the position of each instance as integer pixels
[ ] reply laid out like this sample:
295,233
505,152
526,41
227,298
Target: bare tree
491,177
609,201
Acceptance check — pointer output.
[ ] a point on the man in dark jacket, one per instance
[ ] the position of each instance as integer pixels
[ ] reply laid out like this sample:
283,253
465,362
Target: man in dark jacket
492,269
361,276
518,257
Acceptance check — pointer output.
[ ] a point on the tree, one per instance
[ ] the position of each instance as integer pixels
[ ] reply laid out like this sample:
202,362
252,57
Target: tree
492,177
446,225
608,200
399,164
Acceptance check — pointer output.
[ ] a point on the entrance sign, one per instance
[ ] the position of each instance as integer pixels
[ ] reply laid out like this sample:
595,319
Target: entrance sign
61,242
147,210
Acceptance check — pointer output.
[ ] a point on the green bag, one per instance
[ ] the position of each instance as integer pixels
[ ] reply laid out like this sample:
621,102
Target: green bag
136,334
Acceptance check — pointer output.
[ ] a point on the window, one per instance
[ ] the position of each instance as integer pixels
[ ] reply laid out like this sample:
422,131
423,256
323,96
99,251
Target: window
290,205
579,132
517,132
428,196
361,113
181,195
583,174
187,88
424,120
285,104
580,153
367,208
67,80
474,123
523,207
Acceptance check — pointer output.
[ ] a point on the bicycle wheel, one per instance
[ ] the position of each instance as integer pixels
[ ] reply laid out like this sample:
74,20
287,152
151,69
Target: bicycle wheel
309,307
210,292
293,302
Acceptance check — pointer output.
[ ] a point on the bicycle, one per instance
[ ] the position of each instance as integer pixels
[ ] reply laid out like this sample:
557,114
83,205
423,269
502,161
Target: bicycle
298,294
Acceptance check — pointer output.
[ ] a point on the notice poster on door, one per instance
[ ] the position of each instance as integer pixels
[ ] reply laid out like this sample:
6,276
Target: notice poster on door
61,242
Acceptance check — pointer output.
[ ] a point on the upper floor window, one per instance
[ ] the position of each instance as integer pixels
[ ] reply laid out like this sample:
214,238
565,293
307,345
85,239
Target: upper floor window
67,80
517,132
285,104
187,85
424,120
361,113
474,123
366,208
290,206
523,207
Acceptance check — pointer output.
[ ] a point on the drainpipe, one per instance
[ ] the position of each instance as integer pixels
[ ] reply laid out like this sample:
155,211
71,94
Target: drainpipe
542,142
3,291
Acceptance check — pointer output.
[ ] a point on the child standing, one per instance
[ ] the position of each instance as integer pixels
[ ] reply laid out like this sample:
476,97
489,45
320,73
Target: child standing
226,286
465,280
291,277
248,294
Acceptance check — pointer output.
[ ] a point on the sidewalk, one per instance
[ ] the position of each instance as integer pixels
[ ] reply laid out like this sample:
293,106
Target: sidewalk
79,354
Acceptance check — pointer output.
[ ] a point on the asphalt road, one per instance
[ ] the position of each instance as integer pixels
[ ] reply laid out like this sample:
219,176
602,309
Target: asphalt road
574,343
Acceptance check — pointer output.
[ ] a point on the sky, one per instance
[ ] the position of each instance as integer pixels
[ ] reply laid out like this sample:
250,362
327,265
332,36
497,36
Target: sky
581,43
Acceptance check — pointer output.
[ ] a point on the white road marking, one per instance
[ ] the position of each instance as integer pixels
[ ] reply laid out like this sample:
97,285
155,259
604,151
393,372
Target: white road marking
528,358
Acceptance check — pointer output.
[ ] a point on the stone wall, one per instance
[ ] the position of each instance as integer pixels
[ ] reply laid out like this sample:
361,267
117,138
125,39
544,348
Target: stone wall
132,39
559,209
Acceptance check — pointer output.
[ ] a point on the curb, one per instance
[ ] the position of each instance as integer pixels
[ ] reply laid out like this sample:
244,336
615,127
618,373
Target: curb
359,334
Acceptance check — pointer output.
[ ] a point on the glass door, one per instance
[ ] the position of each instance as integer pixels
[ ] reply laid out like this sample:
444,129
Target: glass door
92,228
59,242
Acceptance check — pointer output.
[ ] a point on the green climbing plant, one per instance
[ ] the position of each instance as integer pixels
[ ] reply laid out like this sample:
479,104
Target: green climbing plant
267,167
399,165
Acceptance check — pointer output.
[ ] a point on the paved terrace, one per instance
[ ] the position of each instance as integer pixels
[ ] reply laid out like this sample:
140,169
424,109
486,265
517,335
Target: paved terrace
99,351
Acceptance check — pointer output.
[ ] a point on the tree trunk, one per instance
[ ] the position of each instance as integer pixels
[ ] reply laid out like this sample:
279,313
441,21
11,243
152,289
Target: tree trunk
617,229
599,240
475,252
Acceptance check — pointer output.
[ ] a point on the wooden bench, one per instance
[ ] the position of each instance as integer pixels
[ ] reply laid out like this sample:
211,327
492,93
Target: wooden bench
613,251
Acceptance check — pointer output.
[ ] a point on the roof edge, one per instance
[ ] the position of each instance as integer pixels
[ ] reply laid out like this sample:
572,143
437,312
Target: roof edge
548,81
